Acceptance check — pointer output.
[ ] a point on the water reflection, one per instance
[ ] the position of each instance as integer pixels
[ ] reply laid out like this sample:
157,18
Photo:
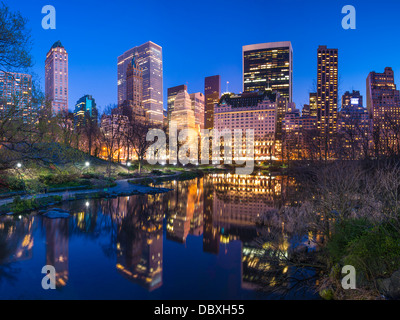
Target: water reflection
219,208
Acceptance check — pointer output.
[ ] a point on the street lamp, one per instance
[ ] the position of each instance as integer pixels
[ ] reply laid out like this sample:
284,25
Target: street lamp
19,165
129,164
87,164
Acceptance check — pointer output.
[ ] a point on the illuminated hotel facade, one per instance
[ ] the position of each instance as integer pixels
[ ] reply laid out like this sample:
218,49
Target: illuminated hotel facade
149,58
56,78
250,110
268,65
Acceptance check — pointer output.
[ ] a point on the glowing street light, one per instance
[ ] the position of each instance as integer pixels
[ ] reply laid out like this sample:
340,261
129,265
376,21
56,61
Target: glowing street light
87,164
19,165
129,164
87,203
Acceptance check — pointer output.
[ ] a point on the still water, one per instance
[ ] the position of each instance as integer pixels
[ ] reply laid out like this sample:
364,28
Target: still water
199,241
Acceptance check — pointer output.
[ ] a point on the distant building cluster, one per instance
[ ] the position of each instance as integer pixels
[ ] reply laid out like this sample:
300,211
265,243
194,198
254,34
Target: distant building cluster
327,127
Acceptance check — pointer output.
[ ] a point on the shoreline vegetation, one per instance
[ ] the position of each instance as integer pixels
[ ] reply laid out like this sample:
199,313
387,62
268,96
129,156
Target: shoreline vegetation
351,206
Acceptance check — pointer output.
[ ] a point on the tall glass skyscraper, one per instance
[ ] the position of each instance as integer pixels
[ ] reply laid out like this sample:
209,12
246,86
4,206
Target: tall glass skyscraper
149,58
56,69
269,65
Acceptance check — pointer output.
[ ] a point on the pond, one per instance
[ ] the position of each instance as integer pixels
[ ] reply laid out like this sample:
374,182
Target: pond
200,241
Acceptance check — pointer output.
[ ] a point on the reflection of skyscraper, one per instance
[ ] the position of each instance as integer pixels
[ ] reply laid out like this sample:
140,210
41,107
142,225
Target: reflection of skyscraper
149,58
16,239
186,211
140,240
211,234
57,238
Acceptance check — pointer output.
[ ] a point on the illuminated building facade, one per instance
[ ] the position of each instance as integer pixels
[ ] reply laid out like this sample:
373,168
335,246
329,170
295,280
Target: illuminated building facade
354,125
183,116
134,83
85,106
268,65
327,90
172,93
149,57
56,77
250,110
16,94
198,108
212,93
383,105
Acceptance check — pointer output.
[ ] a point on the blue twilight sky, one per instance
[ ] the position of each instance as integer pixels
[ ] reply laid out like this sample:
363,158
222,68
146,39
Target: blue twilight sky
203,38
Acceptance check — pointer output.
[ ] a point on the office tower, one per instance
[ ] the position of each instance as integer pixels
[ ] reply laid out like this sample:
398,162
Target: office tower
212,93
85,107
183,116
198,108
268,65
149,58
327,90
56,86
16,95
172,92
383,105
134,83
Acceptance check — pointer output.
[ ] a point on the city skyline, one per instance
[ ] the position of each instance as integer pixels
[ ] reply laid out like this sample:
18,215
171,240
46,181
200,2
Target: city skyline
186,63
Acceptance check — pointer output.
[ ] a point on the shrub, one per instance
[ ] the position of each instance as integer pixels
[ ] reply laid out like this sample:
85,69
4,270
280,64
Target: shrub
345,232
375,253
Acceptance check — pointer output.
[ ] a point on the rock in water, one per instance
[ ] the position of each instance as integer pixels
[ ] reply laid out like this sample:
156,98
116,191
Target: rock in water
56,214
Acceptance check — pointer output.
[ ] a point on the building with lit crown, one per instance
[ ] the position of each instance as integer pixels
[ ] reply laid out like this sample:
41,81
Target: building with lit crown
56,78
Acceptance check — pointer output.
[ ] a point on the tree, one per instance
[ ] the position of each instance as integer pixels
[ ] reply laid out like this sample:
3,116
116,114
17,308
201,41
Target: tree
15,41
138,128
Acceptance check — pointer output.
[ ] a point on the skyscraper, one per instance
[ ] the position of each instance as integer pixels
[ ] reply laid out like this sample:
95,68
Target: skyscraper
268,65
149,58
212,93
85,106
134,83
56,70
183,116
327,90
198,108
172,93
383,105
16,95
